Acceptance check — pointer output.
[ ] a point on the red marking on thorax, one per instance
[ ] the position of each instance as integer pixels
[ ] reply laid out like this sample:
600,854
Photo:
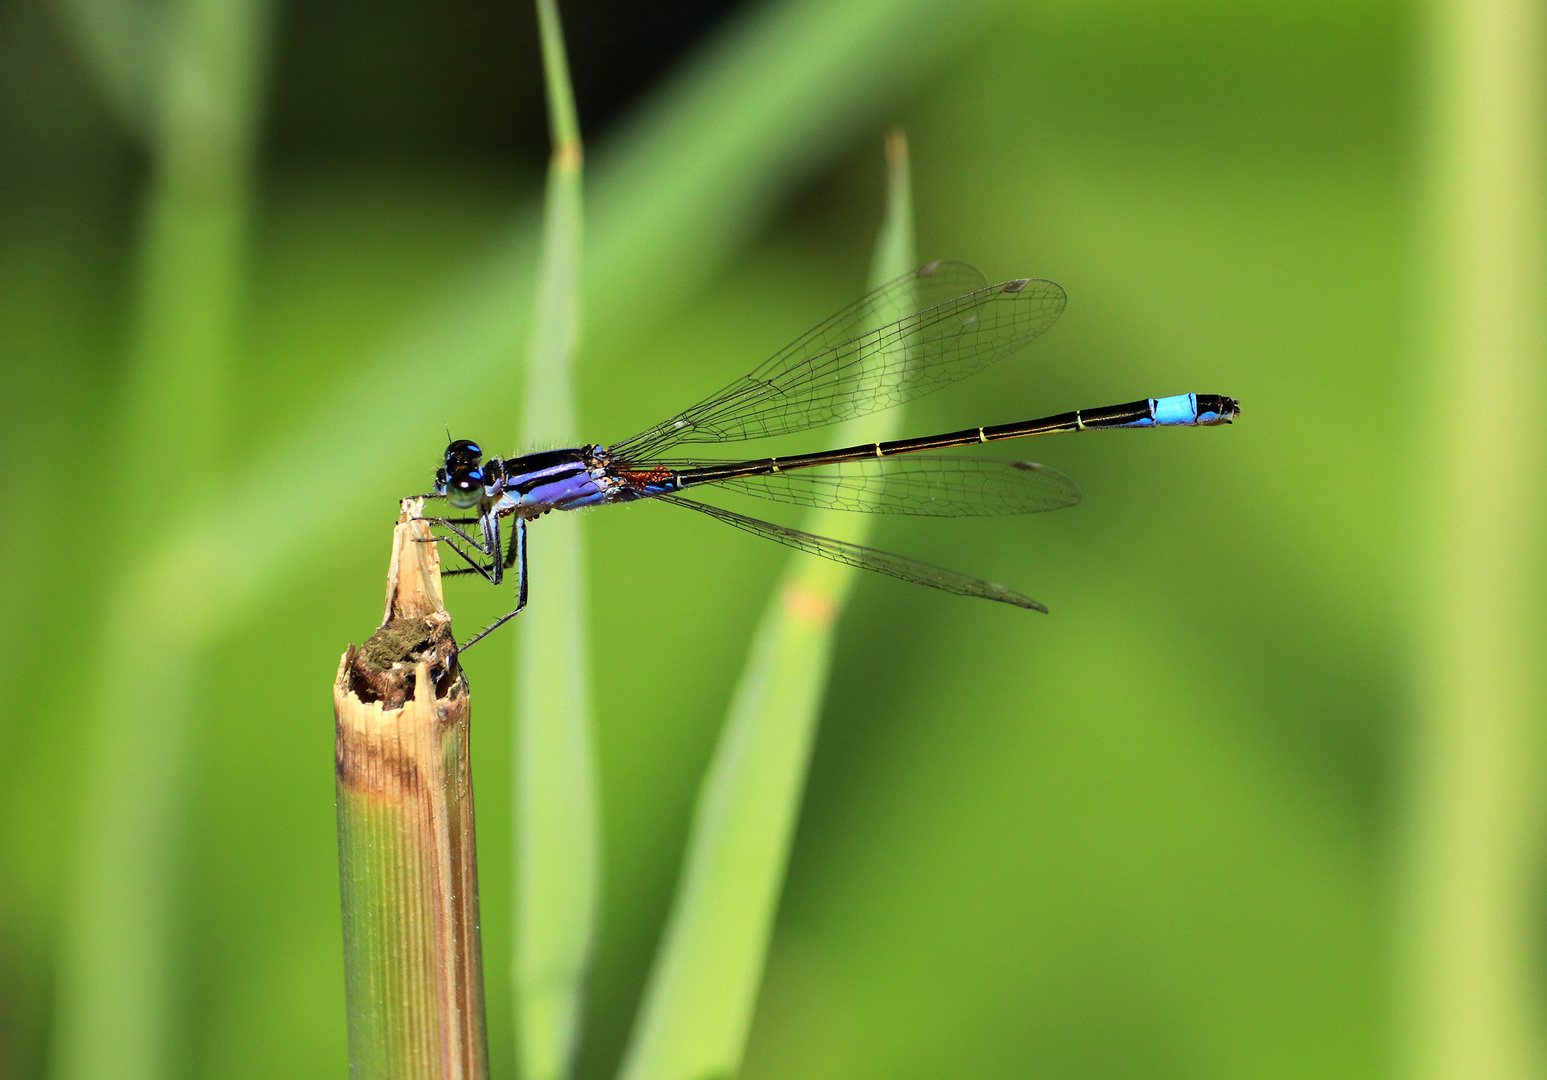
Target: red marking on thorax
641,477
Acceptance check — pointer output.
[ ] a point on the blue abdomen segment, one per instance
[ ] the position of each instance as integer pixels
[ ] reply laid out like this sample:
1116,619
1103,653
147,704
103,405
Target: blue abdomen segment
1181,409
1187,410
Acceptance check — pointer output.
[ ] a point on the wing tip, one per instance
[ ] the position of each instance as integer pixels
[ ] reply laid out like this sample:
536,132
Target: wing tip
1020,600
1045,290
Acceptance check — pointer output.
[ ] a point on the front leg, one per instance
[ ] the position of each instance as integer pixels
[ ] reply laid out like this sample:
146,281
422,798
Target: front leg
489,525
481,546
473,566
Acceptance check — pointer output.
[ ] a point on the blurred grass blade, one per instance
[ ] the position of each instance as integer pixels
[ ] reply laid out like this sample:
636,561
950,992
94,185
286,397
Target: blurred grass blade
703,988
407,853
112,1008
557,850
1474,945
563,122
122,41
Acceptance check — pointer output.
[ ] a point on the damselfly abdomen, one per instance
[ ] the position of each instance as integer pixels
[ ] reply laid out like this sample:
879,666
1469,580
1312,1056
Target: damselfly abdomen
910,337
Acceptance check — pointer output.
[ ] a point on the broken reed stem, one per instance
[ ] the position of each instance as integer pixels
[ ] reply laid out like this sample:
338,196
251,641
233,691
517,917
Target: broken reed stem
408,871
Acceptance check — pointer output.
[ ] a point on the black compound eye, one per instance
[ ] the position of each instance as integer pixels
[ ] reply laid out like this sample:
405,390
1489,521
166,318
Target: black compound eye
465,488
467,479
465,449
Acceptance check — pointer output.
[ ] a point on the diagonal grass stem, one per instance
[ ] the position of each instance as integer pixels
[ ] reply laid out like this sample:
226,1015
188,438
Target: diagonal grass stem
557,848
703,987
113,999
1473,939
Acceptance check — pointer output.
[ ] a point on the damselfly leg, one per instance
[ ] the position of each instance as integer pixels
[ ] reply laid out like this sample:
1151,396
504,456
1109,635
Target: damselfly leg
515,558
489,547
494,571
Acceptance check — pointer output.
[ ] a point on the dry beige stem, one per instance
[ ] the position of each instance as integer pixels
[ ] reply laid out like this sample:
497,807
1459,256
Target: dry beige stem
407,857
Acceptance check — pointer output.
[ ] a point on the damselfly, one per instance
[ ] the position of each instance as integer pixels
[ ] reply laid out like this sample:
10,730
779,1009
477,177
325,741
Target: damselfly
863,359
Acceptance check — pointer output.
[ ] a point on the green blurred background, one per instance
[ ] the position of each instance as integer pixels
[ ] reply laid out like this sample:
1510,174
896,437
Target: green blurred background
1153,834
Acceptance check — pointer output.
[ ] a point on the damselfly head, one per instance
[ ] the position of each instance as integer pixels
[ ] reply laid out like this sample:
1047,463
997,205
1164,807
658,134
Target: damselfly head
461,478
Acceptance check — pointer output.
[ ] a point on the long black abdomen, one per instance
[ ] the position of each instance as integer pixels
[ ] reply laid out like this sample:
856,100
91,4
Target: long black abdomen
1182,410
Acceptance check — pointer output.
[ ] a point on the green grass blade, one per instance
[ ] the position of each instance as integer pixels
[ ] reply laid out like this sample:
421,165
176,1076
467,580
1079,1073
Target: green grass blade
1475,813
563,122
112,1003
557,847
702,991
121,41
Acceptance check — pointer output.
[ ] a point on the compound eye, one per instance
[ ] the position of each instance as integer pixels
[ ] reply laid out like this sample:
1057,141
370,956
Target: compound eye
464,449
465,489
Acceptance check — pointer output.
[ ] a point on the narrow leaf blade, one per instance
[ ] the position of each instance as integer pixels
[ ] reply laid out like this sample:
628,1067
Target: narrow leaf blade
703,989
557,850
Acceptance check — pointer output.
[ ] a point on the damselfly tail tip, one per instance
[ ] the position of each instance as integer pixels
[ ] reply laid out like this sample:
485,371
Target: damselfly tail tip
1217,409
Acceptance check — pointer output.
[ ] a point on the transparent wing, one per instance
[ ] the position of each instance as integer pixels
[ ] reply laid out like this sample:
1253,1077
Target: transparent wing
910,337
882,562
925,485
